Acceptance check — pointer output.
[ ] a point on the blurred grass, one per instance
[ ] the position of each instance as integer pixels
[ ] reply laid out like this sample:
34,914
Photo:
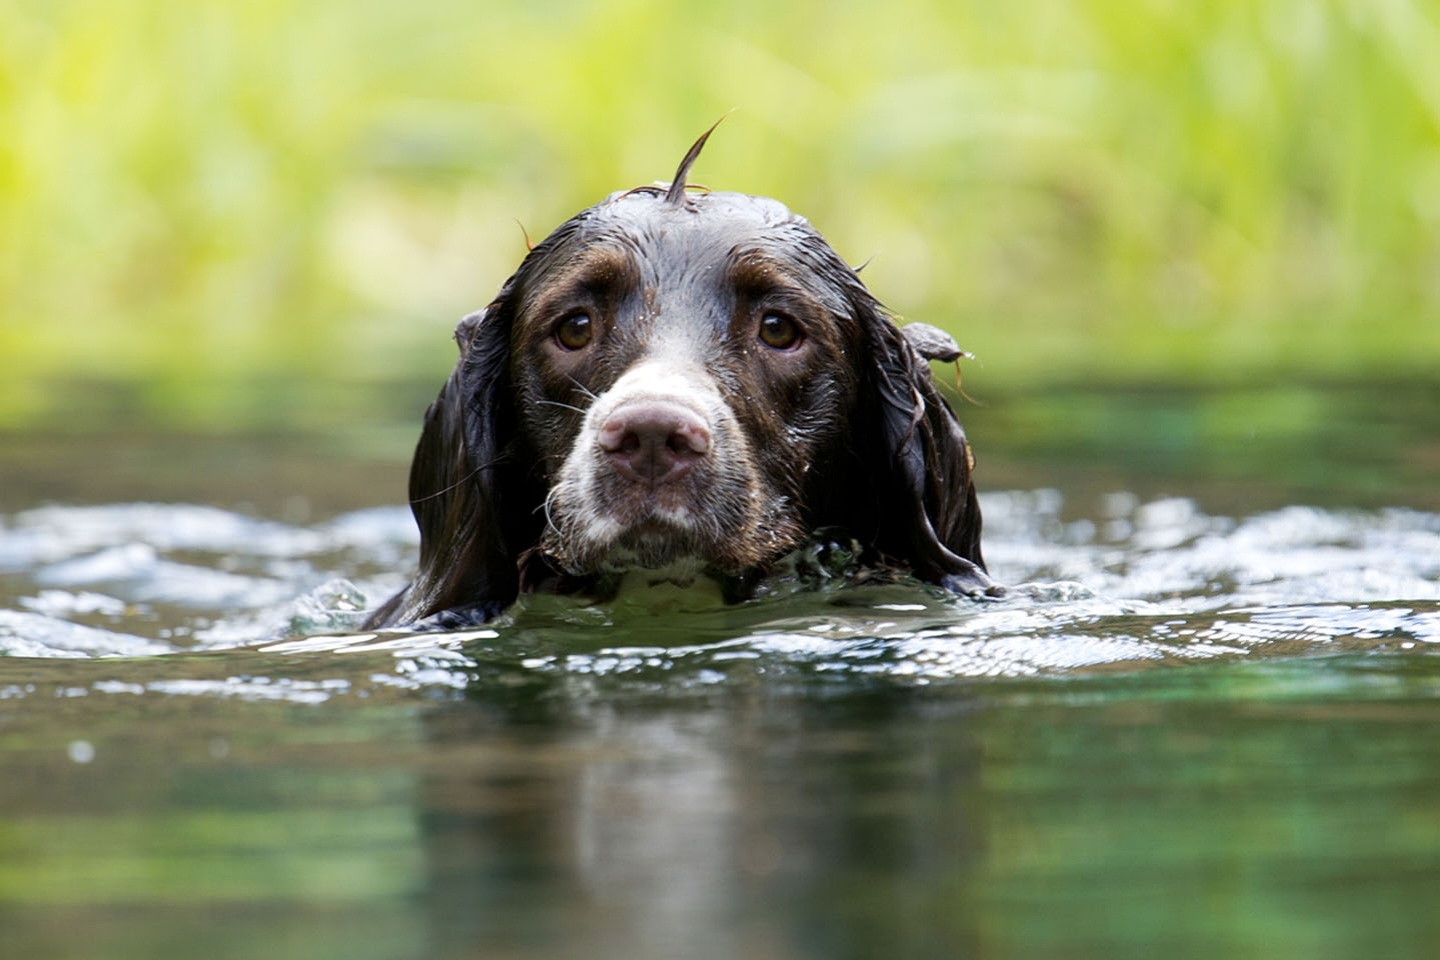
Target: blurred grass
206,194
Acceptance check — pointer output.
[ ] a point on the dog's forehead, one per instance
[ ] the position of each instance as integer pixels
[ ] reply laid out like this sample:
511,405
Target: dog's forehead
701,221
650,201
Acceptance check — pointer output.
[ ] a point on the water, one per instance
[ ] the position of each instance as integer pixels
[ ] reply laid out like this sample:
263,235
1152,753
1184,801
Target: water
1203,723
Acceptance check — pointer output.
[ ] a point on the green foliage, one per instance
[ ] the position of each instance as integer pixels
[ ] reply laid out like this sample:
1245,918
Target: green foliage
1145,189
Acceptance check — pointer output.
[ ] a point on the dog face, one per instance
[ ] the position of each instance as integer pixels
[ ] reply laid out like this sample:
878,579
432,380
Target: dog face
692,382
681,372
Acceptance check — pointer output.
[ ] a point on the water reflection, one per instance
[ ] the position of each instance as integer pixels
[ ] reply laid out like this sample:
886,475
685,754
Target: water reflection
544,813
723,828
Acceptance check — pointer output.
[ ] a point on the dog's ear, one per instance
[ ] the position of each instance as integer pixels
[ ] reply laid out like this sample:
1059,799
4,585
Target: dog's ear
917,462
464,487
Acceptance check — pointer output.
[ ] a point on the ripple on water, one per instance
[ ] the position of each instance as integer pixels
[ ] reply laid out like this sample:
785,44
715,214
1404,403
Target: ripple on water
25,634
1139,584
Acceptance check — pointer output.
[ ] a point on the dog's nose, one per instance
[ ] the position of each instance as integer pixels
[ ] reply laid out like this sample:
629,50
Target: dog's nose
654,441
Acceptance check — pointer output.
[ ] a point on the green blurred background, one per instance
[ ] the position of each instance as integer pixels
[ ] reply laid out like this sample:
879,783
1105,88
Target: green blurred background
198,198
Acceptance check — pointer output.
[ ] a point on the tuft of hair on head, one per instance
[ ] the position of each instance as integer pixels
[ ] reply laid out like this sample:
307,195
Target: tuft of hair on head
529,244
676,193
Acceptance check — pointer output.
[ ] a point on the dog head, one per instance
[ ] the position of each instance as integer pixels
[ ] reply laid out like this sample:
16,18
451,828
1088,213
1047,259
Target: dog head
683,380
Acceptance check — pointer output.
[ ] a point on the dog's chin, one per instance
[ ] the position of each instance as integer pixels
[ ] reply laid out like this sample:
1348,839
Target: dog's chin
656,543
646,543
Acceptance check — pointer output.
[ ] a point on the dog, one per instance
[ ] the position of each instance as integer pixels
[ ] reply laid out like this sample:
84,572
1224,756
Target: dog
689,383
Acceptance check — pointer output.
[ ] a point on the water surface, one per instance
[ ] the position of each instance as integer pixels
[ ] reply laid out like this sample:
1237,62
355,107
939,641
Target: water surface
1204,721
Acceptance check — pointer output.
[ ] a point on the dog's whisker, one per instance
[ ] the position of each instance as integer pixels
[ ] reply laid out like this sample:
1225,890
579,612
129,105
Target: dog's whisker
448,488
584,390
464,479
549,506
557,403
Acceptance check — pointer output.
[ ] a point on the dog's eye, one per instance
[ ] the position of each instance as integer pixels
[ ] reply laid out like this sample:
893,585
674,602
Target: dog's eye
575,331
779,331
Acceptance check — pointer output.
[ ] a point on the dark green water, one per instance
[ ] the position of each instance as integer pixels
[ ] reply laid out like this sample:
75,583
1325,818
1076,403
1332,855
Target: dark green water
1205,725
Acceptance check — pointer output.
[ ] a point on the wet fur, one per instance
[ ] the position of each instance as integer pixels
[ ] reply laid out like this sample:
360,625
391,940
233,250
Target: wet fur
846,431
